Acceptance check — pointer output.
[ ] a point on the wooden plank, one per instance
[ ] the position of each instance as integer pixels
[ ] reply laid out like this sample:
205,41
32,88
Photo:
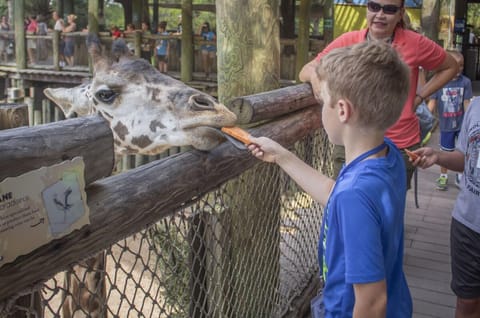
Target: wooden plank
126,203
27,148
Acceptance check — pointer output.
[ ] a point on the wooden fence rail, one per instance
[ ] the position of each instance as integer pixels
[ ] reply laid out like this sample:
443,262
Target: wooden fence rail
126,203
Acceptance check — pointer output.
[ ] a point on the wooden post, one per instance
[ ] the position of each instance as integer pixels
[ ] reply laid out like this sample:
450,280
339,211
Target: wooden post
248,49
137,13
247,64
68,6
93,9
328,20
55,48
186,68
20,47
303,39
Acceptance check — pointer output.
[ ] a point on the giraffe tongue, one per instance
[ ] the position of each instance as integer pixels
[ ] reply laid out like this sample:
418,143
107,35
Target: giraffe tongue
238,144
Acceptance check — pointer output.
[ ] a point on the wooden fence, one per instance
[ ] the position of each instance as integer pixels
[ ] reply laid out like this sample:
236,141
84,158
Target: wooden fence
127,203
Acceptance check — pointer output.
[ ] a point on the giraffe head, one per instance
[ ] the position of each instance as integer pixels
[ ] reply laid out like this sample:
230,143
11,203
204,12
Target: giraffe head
148,111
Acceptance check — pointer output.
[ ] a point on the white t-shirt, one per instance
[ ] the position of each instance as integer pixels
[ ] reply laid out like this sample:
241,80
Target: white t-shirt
58,25
468,200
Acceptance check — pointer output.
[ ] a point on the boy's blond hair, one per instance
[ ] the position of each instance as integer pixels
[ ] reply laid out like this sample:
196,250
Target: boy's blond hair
372,77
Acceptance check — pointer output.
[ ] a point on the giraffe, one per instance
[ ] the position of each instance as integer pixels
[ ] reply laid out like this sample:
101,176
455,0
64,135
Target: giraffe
148,112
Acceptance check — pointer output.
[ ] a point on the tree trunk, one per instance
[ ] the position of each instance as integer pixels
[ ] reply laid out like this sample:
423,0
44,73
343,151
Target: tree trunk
287,27
248,45
303,39
186,67
430,18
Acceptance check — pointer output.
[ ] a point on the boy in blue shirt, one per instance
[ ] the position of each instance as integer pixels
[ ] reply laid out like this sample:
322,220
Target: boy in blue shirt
451,102
163,48
363,89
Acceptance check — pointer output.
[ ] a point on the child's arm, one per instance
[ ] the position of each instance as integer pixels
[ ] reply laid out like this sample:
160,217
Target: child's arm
309,179
432,103
466,103
427,157
370,300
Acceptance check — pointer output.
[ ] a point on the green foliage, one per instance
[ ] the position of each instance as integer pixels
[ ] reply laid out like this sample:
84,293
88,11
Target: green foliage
473,17
114,15
173,250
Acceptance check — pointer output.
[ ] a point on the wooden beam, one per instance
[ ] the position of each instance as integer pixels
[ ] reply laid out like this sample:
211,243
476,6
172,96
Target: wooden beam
13,115
27,148
126,203
196,7
262,106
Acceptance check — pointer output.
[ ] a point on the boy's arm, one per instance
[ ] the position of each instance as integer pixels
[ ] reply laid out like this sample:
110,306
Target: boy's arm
466,103
370,300
309,179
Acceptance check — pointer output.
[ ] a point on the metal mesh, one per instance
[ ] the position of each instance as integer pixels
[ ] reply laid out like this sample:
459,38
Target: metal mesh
247,249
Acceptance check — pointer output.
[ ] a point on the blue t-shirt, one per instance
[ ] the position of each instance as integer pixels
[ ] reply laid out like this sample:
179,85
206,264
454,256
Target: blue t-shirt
450,102
208,36
362,235
466,209
162,46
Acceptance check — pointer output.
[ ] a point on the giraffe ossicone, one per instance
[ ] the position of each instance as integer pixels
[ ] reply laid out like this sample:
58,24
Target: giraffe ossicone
148,111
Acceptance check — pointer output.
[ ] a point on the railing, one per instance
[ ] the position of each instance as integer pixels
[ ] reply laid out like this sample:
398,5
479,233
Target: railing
46,56
198,234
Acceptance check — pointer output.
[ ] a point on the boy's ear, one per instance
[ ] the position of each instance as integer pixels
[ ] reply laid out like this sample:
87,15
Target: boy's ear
345,110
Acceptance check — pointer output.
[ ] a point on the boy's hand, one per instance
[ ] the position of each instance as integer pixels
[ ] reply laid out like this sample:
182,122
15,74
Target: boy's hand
265,149
426,157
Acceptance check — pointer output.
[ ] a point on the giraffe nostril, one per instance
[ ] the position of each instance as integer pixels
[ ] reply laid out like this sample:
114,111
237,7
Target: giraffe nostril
202,102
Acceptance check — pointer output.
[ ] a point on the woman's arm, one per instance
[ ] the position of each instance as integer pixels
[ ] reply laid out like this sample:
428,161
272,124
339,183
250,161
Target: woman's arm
441,76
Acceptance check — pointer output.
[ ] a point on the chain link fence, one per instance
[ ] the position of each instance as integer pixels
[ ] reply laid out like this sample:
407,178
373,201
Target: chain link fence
247,249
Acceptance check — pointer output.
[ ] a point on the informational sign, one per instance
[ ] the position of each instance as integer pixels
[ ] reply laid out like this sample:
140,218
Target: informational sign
41,205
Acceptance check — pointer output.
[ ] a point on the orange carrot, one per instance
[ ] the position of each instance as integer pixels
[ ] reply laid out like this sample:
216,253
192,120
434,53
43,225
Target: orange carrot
413,156
238,133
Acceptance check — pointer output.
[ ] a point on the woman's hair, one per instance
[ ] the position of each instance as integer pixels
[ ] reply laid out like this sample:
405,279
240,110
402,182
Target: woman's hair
372,77
72,16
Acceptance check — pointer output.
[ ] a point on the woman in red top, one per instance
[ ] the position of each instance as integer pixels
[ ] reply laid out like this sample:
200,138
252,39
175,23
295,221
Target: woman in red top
32,29
385,23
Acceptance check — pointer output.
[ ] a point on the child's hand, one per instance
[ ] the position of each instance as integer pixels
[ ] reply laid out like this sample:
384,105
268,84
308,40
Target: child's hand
426,157
265,149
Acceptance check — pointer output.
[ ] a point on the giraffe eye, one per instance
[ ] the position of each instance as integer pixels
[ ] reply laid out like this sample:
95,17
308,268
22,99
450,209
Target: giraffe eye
106,95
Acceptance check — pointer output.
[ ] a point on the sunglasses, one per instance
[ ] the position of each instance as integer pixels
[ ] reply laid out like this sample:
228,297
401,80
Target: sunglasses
387,9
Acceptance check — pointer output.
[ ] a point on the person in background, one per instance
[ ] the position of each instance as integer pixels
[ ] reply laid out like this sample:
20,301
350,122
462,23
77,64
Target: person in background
363,89
162,48
129,33
208,51
4,38
385,23
32,29
58,26
451,102
146,52
69,51
115,32
42,29
465,225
